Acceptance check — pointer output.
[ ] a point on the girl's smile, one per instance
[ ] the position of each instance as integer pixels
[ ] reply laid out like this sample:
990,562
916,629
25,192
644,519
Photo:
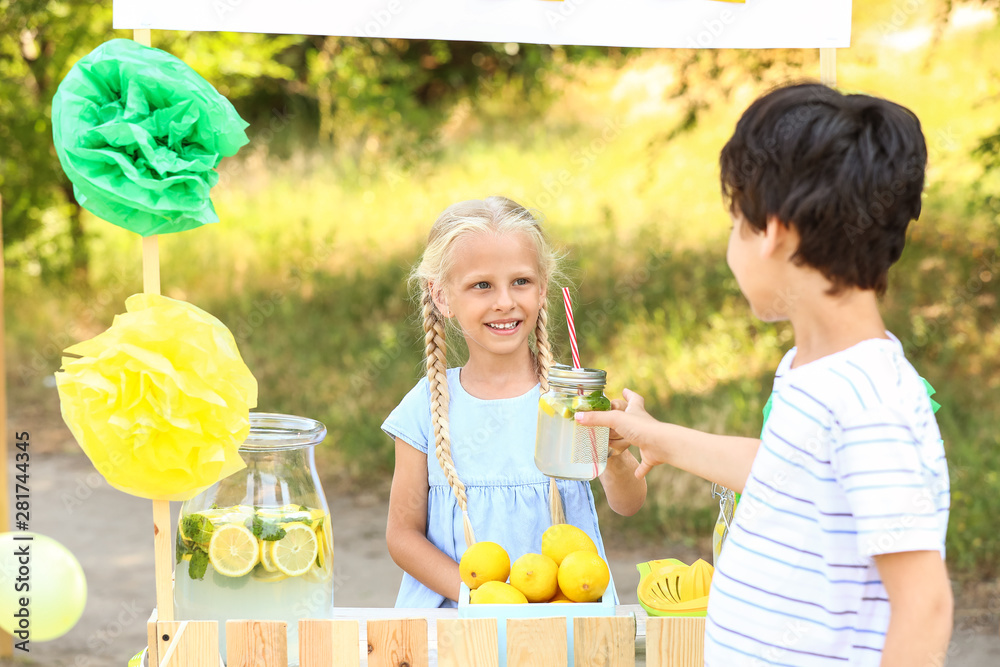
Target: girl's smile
504,327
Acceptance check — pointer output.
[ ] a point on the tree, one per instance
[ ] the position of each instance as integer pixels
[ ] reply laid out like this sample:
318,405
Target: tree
39,41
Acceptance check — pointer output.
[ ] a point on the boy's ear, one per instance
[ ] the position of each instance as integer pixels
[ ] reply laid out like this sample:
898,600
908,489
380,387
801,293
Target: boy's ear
780,239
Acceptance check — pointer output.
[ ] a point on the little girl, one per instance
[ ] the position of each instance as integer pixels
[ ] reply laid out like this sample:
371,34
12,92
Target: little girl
465,437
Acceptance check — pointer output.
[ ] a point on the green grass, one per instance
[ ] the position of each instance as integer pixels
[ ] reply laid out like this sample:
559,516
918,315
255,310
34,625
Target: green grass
309,265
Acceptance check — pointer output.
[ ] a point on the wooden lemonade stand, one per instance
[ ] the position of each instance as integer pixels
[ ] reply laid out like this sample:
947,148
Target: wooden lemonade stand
426,637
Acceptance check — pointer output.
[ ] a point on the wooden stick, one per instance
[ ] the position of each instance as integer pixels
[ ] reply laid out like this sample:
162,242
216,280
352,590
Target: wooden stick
151,265
828,66
162,557
162,560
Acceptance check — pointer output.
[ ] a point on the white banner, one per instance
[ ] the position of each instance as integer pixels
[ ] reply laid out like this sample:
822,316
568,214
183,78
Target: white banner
706,24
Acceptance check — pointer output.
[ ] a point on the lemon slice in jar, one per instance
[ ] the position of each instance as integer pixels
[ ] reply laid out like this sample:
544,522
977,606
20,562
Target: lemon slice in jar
265,556
233,550
294,553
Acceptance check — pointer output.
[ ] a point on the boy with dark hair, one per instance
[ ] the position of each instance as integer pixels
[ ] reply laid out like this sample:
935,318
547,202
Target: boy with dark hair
836,553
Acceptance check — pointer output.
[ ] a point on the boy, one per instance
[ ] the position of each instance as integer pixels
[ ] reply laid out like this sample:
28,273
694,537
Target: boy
836,552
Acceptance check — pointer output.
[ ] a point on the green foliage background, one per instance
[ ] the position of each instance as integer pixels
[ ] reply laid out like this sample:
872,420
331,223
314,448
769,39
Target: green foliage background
356,145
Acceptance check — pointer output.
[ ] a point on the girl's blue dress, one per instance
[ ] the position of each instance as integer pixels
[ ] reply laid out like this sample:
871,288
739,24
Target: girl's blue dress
493,447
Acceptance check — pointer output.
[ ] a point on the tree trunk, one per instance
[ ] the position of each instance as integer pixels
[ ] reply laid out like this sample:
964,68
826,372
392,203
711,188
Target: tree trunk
79,256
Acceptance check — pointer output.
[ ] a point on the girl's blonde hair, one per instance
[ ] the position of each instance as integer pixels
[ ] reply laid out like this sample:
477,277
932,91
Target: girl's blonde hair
498,216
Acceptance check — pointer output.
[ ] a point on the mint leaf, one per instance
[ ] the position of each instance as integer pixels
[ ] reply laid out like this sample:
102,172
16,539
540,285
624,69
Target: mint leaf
182,548
265,529
197,528
271,531
198,565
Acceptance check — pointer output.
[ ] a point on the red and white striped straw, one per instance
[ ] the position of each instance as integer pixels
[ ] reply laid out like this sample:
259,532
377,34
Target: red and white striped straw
572,328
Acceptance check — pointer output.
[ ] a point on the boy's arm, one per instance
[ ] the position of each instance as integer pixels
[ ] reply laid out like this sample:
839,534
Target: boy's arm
920,608
406,529
723,459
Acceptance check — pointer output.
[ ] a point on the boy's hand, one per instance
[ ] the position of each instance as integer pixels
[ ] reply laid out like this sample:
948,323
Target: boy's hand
629,426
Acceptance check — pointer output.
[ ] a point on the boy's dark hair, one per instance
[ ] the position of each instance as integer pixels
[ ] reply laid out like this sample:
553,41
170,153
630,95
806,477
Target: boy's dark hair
846,170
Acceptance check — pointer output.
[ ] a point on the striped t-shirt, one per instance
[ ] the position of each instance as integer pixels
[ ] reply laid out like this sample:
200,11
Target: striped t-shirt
850,465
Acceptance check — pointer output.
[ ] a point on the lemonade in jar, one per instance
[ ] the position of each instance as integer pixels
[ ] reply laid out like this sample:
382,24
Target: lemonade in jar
258,544
563,448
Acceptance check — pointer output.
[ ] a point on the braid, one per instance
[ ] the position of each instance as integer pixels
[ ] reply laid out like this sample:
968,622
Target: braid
543,361
437,375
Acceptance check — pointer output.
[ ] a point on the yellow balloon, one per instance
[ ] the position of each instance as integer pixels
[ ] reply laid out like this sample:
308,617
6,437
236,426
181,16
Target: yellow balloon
42,587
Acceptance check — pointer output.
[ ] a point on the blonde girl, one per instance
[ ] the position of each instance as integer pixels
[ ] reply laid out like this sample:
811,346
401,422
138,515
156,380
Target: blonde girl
465,436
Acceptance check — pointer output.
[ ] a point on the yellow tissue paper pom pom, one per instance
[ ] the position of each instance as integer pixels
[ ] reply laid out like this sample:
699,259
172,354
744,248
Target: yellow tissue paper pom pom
161,401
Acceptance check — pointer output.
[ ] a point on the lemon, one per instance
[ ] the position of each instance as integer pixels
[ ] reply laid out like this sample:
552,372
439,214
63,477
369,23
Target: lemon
233,550
294,553
554,408
265,556
583,576
482,562
559,597
562,539
546,407
535,576
266,577
497,592
320,547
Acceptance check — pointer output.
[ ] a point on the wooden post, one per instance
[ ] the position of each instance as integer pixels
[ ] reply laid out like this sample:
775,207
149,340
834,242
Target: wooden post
828,66
162,556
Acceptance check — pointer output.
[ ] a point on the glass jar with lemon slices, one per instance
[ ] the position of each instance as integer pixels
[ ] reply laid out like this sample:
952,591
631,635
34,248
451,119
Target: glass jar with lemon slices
258,544
563,448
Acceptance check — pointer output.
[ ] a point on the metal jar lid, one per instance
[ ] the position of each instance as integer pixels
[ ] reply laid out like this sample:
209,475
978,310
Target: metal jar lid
568,377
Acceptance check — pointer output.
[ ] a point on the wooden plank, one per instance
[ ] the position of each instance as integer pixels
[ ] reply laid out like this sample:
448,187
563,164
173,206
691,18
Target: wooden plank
675,642
536,642
328,643
152,655
256,644
607,641
398,643
187,643
462,642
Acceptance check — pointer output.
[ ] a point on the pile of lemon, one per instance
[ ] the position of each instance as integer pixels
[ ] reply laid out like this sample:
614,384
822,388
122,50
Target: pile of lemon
569,569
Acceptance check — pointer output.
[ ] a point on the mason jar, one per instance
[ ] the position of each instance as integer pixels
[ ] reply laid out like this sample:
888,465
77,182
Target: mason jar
563,448
258,544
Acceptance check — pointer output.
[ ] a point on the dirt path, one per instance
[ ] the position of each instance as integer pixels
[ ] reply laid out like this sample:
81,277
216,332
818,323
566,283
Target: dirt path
110,532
